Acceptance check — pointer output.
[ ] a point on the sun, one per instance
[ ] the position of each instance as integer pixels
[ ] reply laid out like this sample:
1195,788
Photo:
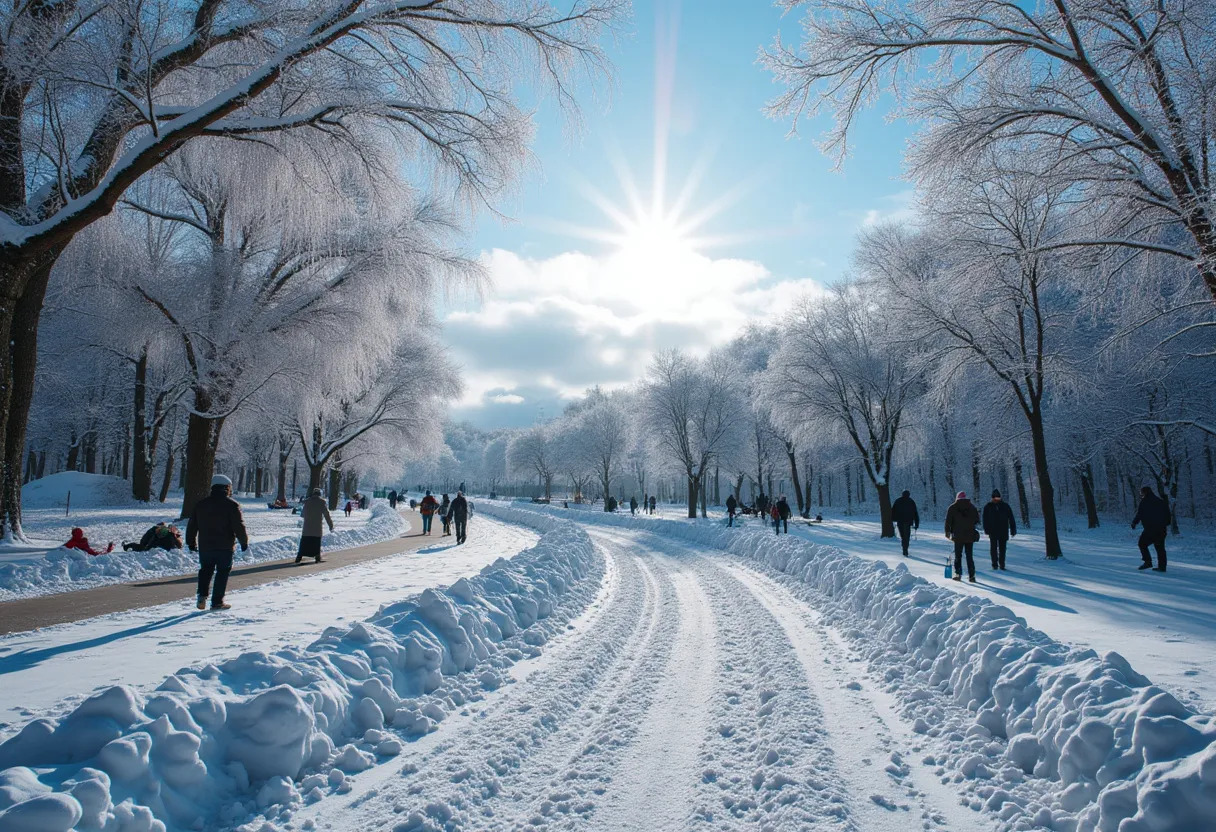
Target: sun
653,237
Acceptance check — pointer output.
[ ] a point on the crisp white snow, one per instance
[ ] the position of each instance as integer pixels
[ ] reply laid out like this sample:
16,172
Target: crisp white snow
48,671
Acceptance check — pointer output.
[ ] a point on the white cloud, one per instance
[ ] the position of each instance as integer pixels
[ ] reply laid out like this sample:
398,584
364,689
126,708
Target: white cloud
550,328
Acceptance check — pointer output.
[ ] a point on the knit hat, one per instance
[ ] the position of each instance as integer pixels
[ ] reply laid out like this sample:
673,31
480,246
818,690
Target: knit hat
220,479
996,492
962,495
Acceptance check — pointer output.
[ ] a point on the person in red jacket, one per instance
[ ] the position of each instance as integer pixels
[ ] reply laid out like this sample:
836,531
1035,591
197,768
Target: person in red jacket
427,509
79,541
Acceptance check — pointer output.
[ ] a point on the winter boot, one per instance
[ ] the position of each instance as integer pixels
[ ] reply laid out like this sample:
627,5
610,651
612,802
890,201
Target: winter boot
221,606
971,579
1145,566
202,603
958,577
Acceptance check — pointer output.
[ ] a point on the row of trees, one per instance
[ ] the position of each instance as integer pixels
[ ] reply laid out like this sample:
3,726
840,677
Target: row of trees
237,185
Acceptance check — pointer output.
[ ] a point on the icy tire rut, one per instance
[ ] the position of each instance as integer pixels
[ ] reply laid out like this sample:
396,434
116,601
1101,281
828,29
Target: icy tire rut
693,695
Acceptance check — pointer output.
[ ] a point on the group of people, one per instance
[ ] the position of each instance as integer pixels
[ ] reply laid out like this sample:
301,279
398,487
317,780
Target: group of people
964,520
452,513
648,504
778,511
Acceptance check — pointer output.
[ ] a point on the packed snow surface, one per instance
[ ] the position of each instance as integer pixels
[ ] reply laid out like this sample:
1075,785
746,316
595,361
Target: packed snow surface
48,671
44,567
264,732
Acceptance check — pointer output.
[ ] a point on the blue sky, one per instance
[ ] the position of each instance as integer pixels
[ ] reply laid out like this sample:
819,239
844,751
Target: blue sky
569,309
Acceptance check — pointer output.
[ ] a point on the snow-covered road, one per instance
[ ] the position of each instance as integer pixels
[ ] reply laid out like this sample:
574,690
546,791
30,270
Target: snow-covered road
47,671
694,693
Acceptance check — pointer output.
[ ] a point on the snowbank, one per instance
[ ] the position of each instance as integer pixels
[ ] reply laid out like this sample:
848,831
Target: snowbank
263,733
65,570
1043,734
87,490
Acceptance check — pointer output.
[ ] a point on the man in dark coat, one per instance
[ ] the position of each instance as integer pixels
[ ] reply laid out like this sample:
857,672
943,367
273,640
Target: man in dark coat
731,505
783,513
633,504
215,527
459,512
762,507
999,525
1154,515
906,517
961,520
392,500
653,503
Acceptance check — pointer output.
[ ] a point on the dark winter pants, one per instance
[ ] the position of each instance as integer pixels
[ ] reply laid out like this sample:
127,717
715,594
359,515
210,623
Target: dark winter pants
217,562
1157,541
778,522
461,528
959,549
997,546
905,535
447,523
730,517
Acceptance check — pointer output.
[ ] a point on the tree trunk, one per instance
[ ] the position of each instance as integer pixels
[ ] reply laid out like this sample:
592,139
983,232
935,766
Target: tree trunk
1023,503
1047,494
281,494
335,485
1087,491
126,452
90,452
141,472
810,475
314,475
884,510
975,470
31,465
861,488
202,440
692,497
717,486
260,481
167,479
797,484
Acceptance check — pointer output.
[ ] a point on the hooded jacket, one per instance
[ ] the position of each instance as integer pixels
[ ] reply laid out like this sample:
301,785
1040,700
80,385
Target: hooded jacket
961,520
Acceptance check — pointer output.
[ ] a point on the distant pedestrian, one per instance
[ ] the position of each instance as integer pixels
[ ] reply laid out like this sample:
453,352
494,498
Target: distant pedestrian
445,515
652,503
731,505
784,512
216,526
762,507
961,520
348,508
362,498
633,504
392,500
459,512
906,517
313,513
427,508
999,525
1154,515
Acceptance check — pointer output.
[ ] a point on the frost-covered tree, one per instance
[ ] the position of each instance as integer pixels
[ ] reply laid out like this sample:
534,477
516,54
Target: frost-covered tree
95,96
532,452
835,359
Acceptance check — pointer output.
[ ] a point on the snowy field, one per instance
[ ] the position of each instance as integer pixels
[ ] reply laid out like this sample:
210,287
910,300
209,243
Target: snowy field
102,507
621,674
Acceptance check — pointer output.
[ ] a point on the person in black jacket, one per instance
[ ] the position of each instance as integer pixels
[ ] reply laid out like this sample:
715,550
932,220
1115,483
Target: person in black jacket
215,527
999,526
906,517
459,512
731,505
783,514
1154,515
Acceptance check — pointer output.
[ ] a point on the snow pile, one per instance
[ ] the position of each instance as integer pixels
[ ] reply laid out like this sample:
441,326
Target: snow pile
1043,734
261,734
87,490
65,570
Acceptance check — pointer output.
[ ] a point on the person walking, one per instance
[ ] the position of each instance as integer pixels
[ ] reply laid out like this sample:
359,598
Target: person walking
652,503
348,508
999,525
783,513
633,504
906,517
1154,515
731,505
216,526
459,512
762,507
961,520
427,509
313,513
392,500
445,515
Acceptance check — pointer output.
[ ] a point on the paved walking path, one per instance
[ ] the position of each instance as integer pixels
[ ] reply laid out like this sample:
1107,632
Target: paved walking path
30,613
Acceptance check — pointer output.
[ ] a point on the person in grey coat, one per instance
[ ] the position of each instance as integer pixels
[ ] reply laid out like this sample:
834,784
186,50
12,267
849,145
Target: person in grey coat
313,512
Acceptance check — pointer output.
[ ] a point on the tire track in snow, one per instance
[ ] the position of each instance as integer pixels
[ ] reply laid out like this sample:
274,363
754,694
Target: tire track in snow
498,770
876,751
